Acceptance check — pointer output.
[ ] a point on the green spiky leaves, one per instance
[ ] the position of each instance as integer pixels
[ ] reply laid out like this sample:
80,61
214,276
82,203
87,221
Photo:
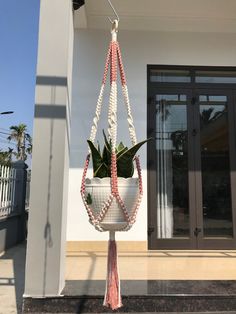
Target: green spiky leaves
102,161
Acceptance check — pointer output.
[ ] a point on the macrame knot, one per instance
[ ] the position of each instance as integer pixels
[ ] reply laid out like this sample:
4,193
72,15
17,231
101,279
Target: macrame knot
97,216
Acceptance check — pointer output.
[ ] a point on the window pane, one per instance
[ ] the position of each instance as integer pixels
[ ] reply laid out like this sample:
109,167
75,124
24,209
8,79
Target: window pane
175,76
216,99
217,209
215,77
172,166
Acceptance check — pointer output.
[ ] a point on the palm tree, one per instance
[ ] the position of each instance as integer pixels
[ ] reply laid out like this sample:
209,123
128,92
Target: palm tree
6,157
206,116
23,139
30,145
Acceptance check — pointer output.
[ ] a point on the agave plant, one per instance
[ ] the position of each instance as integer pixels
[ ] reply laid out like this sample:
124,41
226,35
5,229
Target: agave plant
102,160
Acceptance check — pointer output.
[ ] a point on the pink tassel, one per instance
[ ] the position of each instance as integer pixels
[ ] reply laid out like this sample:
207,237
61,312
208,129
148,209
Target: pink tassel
112,297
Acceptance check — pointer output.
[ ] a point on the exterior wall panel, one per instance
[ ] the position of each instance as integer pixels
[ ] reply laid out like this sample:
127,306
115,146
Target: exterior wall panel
139,49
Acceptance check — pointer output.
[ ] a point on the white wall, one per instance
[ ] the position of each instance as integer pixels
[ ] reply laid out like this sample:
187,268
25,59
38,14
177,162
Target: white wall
139,49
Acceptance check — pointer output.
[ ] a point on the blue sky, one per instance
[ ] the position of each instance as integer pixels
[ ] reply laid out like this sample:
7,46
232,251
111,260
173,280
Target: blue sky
18,57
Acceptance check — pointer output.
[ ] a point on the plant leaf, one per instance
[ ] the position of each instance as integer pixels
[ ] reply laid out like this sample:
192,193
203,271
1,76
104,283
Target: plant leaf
99,150
96,157
125,167
106,158
121,152
125,156
107,144
89,199
102,171
120,147
133,150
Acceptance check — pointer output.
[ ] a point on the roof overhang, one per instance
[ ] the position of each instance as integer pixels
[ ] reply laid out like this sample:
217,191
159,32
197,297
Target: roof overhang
161,15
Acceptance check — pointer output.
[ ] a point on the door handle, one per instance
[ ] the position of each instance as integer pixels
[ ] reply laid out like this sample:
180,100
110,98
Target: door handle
197,231
150,231
193,100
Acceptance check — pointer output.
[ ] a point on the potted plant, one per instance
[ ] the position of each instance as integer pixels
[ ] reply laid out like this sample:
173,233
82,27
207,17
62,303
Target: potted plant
98,188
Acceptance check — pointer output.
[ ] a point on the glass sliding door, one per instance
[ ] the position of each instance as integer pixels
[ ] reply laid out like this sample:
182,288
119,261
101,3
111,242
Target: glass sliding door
172,166
172,183
216,158
215,166
192,161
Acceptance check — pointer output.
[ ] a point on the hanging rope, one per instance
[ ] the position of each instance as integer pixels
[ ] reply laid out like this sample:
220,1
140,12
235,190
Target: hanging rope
114,62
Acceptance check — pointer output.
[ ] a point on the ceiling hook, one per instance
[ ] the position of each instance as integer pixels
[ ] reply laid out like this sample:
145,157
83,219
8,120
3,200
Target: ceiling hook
114,27
115,13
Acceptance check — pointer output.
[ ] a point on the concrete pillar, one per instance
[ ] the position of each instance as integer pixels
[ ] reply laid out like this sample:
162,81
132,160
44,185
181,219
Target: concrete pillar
45,261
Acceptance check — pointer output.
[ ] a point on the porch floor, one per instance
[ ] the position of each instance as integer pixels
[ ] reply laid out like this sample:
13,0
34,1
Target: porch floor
154,265
151,282
155,281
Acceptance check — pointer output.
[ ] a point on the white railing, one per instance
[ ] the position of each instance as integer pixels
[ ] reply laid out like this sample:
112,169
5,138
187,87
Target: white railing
7,190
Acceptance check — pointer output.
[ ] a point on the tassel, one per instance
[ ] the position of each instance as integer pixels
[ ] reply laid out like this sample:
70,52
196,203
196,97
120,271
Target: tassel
112,297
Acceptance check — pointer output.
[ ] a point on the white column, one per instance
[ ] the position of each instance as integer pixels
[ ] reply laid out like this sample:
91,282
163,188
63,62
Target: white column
45,260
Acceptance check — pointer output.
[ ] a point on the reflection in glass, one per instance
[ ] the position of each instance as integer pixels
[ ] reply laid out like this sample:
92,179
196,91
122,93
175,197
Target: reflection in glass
217,212
215,77
175,76
172,166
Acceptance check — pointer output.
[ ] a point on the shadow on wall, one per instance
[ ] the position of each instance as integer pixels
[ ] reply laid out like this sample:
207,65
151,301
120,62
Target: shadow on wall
51,112
16,255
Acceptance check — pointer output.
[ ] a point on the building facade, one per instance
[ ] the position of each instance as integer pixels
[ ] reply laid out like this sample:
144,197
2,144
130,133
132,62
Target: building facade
180,61
181,80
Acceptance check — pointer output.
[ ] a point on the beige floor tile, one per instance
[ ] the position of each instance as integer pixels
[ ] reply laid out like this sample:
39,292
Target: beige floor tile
155,265
12,269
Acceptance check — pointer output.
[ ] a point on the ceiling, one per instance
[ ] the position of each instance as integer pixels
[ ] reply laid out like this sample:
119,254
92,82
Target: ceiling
161,15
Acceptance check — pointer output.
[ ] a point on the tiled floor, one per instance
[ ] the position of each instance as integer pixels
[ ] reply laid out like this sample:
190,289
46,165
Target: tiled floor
164,265
186,280
12,279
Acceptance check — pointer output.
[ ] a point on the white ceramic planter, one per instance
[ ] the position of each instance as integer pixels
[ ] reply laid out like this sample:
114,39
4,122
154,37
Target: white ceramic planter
100,189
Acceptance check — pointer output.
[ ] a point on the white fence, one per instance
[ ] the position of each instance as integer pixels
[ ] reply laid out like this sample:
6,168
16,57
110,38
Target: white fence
7,191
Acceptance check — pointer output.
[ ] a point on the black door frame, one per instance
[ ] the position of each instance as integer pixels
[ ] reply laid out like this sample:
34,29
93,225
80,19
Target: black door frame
215,242
191,90
181,243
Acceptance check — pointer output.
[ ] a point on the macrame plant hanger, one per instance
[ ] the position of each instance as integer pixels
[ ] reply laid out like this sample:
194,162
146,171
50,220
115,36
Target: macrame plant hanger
112,296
